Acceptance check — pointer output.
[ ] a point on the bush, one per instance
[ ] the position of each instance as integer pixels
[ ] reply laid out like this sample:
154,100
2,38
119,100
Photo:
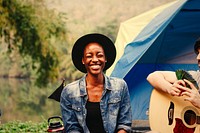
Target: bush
24,127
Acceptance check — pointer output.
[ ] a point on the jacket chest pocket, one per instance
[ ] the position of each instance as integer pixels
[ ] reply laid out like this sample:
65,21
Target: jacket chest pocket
76,108
76,105
113,106
78,111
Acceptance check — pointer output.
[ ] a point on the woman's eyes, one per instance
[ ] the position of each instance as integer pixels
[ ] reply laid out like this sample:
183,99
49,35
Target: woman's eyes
99,55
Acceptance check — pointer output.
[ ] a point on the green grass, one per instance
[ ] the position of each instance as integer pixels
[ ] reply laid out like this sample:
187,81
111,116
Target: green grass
24,127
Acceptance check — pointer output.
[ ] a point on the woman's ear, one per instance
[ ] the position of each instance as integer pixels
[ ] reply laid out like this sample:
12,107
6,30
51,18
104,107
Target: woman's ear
82,61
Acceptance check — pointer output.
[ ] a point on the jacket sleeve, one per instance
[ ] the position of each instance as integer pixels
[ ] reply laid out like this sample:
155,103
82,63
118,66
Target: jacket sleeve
70,121
125,112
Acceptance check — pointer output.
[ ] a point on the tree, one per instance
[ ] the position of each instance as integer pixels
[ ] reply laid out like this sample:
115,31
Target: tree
33,30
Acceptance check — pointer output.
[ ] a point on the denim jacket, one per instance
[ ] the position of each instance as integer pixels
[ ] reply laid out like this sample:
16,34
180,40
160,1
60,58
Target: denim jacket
115,106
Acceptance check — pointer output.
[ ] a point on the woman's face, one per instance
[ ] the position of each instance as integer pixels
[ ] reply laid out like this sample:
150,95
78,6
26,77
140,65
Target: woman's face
94,58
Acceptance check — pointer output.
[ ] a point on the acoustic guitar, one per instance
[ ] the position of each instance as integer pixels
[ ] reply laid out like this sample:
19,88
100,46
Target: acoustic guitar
170,114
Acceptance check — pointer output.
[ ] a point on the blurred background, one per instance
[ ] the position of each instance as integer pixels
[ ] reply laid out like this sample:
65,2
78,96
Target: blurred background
35,48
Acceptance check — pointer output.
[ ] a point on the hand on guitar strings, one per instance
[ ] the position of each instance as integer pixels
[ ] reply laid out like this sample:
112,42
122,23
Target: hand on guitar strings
192,94
177,88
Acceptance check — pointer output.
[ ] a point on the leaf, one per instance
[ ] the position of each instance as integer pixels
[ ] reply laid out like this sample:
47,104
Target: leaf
182,74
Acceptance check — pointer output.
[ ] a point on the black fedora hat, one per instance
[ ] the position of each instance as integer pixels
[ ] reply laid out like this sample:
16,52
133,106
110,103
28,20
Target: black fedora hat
104,41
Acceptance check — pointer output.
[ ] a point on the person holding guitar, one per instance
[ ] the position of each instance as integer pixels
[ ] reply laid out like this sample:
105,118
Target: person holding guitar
168,83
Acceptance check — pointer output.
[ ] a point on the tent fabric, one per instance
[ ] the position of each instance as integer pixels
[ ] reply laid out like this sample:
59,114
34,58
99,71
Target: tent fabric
165,43
129,30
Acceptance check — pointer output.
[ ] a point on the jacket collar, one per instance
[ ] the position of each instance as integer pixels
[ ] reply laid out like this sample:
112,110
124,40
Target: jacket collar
82,84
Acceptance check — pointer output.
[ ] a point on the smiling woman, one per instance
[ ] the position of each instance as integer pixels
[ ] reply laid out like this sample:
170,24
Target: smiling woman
95,95
94,58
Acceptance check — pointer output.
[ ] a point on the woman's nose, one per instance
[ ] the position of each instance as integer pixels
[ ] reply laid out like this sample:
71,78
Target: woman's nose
94,58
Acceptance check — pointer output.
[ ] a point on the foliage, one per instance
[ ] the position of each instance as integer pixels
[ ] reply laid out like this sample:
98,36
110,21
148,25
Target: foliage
22,100
35,36
23,127
182,74
31,29
110,29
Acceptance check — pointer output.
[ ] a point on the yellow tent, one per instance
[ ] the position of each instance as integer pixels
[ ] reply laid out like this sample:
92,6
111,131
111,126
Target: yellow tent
129,29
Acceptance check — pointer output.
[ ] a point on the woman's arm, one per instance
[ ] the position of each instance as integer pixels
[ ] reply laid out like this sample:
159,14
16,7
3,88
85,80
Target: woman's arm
125,113
68,115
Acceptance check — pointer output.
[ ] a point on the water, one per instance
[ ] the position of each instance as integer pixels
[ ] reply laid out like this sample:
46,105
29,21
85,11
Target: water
21,100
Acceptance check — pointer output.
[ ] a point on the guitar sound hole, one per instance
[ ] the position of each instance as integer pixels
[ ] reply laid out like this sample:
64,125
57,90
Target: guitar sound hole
190,117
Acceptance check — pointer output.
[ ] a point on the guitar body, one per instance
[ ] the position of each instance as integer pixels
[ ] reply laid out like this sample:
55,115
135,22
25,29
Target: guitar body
164,111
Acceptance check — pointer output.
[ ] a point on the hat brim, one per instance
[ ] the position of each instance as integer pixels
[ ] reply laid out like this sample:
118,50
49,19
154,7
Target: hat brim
104,41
